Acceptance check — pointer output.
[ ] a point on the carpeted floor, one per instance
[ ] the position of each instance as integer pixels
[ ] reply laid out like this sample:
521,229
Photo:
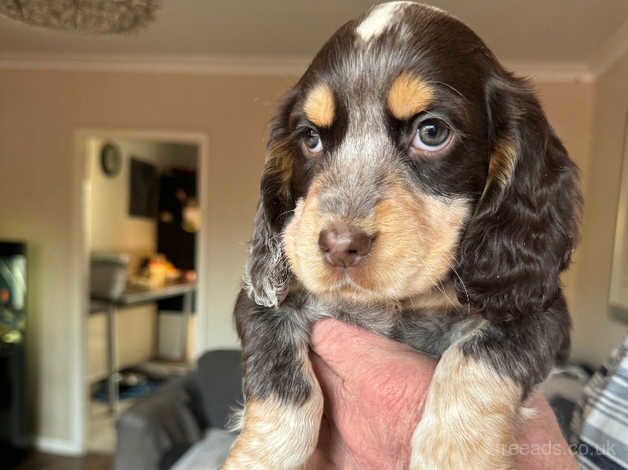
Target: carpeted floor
39,461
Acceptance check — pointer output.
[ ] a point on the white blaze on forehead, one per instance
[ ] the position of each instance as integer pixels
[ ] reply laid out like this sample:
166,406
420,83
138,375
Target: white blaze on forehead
379,19
385,15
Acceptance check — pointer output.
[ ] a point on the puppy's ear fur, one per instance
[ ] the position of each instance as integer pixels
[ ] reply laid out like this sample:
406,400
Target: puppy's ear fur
525,227
268,277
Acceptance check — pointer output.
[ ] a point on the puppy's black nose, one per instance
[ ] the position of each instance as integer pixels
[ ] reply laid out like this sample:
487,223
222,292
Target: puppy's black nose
344,245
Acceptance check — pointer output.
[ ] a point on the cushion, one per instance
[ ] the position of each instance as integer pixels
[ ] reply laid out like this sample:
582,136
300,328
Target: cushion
564,389
220,384
209,453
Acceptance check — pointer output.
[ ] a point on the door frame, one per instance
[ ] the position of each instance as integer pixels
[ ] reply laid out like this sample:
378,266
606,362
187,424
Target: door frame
77,331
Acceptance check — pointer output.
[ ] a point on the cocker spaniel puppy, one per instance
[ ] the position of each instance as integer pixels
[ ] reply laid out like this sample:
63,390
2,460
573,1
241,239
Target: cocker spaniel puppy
412,187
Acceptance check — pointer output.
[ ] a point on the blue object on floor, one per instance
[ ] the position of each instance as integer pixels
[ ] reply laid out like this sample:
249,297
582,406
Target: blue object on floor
126,392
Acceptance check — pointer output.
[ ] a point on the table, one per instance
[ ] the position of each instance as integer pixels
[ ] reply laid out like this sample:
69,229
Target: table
135,296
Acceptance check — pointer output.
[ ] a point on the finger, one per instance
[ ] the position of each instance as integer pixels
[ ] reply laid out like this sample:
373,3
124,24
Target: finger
541,421
541,432
330,450
326,375
330,383
333,452
332,339
352,352
322,457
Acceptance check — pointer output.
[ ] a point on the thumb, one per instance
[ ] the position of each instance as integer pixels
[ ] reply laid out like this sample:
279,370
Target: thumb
353,352
374,391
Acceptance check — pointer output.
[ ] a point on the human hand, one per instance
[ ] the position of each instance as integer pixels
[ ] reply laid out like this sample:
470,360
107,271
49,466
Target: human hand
374,391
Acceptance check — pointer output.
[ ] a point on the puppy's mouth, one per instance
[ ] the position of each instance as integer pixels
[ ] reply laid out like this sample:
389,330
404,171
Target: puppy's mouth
400,250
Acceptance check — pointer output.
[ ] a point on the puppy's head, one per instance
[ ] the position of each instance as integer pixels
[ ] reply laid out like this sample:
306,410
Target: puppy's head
405,158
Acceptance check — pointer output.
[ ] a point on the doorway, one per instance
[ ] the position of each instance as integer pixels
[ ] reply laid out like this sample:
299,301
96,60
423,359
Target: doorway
143,250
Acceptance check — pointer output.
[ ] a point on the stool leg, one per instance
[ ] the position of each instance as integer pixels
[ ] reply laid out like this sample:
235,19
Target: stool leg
112,366
187,312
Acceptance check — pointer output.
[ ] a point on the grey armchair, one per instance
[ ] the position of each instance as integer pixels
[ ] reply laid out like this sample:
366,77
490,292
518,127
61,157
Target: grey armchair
182,424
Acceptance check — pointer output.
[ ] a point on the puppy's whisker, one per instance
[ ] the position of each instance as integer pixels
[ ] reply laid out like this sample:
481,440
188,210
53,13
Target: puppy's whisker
441,287
451,87
287,212
466,292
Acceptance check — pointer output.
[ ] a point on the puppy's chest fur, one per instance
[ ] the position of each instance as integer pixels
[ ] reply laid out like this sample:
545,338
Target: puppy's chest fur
430,330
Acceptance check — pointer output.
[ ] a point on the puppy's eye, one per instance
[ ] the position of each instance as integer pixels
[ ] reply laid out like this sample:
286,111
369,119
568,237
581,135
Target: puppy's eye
431,135
312,143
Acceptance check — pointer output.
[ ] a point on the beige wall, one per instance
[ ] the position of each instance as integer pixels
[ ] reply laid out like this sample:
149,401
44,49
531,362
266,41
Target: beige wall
39,112
110,227
569,108
595,333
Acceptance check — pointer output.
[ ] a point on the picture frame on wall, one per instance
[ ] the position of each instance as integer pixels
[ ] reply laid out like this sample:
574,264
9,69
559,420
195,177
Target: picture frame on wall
144,189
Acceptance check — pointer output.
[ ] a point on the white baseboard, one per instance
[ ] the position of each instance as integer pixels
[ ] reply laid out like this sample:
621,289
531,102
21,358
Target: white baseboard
57,446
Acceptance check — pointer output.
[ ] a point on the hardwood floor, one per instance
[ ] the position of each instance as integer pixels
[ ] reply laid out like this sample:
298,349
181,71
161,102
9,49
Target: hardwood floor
39,461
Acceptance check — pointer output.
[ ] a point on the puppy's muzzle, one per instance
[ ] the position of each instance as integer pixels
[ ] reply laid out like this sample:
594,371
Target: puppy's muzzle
343,245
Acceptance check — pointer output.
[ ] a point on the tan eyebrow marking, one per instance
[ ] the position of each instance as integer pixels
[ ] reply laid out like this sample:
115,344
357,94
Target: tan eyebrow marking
319,105
408,95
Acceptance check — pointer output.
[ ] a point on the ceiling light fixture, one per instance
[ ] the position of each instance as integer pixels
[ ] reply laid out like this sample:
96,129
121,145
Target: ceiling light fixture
90,16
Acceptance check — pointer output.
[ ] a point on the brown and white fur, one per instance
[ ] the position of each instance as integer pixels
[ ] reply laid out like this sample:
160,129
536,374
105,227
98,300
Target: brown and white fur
412,187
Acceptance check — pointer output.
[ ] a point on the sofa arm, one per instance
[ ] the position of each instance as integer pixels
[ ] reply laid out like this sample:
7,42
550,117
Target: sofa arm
564,389
156,424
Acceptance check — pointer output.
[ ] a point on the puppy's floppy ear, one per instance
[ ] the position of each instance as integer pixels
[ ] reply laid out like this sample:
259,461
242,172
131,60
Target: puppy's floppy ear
525,226
267,275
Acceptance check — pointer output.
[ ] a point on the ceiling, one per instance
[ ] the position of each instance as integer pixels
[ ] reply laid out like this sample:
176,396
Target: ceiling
531,31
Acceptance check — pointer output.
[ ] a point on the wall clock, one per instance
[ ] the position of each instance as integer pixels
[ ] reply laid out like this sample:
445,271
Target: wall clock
110,159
